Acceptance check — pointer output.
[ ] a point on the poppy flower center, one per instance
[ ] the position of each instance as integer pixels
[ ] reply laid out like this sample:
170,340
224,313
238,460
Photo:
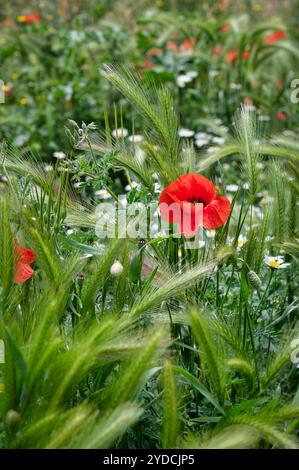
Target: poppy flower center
196,201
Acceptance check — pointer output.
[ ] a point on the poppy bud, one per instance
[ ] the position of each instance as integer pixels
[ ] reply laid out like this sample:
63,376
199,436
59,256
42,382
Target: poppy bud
12,419
116,269
253,280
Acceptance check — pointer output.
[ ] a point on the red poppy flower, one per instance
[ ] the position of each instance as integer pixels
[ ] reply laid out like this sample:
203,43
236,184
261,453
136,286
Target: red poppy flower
31,18
281,116
154,52
191,196
23,258
172,46
217,50
147,63
188,44
231,56
246,54
274,37
9,22
226,27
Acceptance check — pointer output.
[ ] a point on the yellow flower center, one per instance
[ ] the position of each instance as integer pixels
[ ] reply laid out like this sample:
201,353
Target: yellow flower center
274,264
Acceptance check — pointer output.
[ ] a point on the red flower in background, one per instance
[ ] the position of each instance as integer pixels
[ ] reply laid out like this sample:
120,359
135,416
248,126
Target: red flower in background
226,27
274,37
172,46
154,52
31,18
190,194
281,116
217,50
231,56
147,63
9,22
188,44
23,258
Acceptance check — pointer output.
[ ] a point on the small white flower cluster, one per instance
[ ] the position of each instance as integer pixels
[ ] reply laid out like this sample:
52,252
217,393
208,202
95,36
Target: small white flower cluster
183,79
183,132
59,155
122,133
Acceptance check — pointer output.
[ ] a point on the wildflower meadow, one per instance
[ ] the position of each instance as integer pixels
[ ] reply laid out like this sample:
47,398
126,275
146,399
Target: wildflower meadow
149,244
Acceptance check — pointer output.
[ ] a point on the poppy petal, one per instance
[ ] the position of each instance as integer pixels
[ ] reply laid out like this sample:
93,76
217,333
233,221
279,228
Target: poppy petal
24,255
191,218
216,213
190,188
23,273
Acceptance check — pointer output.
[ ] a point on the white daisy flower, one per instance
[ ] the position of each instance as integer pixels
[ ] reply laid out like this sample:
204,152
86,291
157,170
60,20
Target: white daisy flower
217,121
182,80
200,143
192,74
76,36
202,135
119,133
235,86
133,184
102,194
185,132
223,129
260,165
213,149
218,140
241,242
48,168
276,262
136,139
250,107
59,155
78,184
232,188
213,73
264,118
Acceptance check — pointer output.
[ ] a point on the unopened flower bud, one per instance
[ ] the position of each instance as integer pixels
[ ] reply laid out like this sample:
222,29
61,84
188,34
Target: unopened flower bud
116,269
12,419
253,280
